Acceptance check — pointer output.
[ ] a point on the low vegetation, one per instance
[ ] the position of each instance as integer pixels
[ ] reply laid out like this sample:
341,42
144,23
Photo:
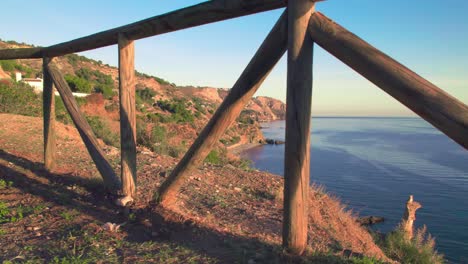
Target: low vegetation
419,250
12,66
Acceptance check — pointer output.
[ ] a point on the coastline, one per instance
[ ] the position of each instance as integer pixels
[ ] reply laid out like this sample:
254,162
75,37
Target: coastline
237,149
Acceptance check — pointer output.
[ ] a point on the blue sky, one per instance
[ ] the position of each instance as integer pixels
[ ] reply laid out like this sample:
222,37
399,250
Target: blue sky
428,36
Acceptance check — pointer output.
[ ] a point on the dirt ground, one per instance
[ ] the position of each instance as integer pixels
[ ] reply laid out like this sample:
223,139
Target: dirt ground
224,214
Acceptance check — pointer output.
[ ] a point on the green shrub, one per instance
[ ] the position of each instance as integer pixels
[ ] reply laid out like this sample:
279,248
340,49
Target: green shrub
145,96
157,140
159,80
178,110
19,98
419,250
214,157
8,65
103,131
12,65
78,84
106,90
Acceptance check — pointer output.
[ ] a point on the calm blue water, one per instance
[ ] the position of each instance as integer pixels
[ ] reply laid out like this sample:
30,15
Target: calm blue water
374,164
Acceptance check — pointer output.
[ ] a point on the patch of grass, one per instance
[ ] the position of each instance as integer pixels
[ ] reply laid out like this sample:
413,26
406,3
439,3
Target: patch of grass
78,244
215,157
5,184
68,215
242,163
103,131
419,250
11,215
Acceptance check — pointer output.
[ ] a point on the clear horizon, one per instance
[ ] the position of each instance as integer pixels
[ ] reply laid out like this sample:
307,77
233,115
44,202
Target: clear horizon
423,35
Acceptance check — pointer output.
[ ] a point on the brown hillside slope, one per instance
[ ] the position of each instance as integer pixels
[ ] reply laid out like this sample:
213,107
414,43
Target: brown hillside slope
224,214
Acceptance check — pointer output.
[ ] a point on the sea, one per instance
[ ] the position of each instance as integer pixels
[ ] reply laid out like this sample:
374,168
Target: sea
373,164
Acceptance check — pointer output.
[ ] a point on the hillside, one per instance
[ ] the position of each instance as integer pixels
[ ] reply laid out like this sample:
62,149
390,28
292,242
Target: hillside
58,217
159,102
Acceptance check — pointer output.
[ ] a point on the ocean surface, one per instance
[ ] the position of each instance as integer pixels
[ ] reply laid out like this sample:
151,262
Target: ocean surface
374,164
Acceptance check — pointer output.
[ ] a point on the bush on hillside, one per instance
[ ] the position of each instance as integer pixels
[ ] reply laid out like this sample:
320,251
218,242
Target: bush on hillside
105,90
178,109
157,140
12,66
78,84
145,96
103,131
19,98
420,250
99,82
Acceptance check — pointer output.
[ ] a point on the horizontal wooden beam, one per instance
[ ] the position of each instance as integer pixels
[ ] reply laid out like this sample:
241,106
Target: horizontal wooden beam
200,14
111,181
266,57
433,104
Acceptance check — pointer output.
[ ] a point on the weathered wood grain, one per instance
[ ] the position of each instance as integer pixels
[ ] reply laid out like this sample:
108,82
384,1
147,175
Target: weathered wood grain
433,104
269,53
298,110
48,107
21,53
127,115
111,181
200,14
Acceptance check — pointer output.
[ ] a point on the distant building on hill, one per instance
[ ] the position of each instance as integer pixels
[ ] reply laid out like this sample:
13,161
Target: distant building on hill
38,84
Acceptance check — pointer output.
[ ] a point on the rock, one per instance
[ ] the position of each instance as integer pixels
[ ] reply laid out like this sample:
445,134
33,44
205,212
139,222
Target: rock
409,217
111,227
237,189
370,220
272,141
124,201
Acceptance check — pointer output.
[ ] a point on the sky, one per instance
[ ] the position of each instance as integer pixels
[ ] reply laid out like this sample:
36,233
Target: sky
430,37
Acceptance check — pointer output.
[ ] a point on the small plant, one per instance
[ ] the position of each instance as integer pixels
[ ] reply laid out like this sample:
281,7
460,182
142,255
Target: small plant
213,158
419,250
4,213
5,184
68,216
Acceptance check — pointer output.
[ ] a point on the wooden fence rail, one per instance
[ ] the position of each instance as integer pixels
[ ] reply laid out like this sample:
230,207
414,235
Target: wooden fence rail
197,15
437,107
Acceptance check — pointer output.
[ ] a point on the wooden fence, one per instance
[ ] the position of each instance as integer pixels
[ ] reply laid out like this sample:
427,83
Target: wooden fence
298,28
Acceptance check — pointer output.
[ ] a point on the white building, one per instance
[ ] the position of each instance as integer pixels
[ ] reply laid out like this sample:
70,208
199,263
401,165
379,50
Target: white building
38,84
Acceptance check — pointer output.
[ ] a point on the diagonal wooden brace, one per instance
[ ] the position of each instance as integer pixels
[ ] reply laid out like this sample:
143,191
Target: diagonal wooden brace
111,181
430,102
266,57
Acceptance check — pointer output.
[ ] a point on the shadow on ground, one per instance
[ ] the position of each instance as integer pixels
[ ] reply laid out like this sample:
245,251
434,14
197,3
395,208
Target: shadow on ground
148,225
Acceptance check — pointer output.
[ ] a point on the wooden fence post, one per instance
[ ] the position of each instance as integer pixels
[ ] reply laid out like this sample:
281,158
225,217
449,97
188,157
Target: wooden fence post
298,110
110,179
269,53
127,115
48,108
437,107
